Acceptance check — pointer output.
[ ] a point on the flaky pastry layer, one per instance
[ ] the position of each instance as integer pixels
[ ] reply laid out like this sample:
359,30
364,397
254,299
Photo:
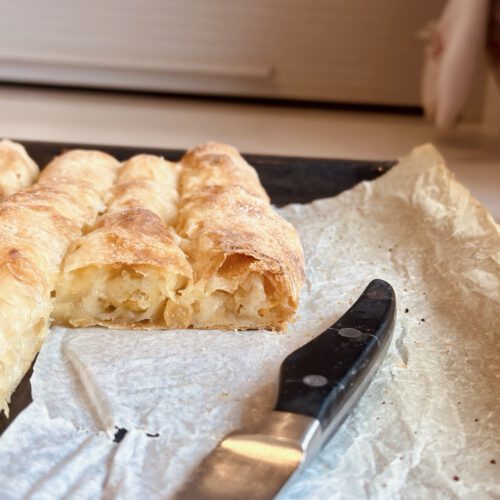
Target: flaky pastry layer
195,245
37,225
17,169
247,262
123,271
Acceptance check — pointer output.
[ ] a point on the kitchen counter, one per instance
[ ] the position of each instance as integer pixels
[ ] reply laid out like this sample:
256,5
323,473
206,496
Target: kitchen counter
140,120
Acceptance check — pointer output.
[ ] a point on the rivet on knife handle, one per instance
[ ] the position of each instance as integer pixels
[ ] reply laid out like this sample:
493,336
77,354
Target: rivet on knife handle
317,379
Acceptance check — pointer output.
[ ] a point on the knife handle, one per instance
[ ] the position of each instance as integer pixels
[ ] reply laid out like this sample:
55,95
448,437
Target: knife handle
324,378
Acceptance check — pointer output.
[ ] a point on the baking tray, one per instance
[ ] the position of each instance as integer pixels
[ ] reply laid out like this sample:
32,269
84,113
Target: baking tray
287,179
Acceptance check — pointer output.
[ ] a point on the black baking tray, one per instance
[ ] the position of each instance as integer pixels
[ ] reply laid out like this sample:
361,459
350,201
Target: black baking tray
287,179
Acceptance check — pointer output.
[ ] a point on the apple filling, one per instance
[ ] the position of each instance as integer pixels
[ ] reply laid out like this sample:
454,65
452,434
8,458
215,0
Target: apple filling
116,294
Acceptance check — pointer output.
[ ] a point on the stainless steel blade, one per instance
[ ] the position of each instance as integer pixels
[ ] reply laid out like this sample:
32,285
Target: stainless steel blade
255,465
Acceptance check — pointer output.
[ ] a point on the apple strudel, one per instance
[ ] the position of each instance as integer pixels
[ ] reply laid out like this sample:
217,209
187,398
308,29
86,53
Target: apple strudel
17,169
37,226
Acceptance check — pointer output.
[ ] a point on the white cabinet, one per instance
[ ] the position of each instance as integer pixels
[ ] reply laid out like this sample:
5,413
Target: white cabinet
334,50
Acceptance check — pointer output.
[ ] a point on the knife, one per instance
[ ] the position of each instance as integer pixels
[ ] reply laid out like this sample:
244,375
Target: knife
319,384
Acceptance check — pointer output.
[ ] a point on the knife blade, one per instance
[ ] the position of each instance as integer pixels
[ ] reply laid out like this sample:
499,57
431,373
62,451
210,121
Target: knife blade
319,384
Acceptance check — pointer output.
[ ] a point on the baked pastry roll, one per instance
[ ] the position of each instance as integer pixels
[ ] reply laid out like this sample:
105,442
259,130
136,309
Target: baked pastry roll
214,164
230,263
37,226
17,169
122,273
149,182
247,261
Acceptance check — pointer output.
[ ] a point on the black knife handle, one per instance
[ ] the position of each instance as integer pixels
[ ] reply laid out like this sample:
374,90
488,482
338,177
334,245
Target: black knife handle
324,376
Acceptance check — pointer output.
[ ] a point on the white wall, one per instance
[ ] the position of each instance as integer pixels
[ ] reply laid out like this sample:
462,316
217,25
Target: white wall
339,50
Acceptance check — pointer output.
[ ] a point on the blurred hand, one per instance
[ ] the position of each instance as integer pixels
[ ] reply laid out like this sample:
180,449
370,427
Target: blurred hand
454,46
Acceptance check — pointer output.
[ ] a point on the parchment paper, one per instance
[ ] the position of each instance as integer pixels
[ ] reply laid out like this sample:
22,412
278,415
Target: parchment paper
428,426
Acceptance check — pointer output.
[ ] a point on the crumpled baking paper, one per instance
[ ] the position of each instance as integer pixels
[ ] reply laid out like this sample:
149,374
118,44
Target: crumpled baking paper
427,427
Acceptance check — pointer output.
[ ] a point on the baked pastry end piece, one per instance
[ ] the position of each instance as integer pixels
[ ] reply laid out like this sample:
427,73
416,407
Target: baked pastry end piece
17,169
241,295
247,261
121,274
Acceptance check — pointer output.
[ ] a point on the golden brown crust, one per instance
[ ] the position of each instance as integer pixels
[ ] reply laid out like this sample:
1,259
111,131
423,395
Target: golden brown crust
121,272
37,226
135,236
230,231
147,181
213,164
225,221
129,241
150,168
17,169
16,261
79,203
245,265
93,169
